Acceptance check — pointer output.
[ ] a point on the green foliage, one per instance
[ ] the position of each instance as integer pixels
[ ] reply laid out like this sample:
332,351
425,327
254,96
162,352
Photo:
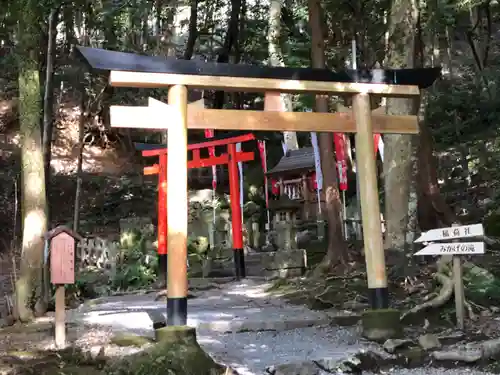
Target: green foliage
482,286
198,247
181,357
252,210
138,262
492,224
128,339
90,284
454,118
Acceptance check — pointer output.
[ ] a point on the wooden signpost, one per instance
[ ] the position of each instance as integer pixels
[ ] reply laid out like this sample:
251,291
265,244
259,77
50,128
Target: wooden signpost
62,272
443,234
132,70
455,249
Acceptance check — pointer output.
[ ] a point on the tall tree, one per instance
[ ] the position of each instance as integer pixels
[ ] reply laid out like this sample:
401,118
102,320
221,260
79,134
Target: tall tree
192,31
230,41
403,22
337,248
274,39
432,209
48,99
34,202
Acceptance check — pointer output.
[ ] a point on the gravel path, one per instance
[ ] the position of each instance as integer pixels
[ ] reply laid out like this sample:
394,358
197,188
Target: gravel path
253,352
240,308
433,371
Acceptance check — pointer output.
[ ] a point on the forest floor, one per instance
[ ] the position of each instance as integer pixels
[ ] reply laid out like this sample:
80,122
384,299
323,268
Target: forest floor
244,325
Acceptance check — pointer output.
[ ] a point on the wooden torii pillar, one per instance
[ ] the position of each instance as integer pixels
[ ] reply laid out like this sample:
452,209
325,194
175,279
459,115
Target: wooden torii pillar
232,158
177,118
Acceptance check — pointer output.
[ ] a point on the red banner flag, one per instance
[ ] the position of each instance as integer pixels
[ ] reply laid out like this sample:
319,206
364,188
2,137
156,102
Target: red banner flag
340,152
376,141
209,133
275,186
313,183
379,145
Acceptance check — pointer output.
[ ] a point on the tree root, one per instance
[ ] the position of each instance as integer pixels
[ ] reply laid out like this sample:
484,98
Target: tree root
430,296
492,242
468,307
479,307
434,300
161,294
442,298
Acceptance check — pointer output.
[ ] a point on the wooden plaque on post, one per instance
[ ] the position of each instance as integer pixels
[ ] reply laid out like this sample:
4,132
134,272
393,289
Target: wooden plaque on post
62,255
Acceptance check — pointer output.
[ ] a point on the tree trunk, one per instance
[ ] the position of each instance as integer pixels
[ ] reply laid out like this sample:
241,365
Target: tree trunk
48,122
432,209
29,291
158,19
403,21
337,248
237,97
69,28
193,31
81,145
110,42
167,45
229,42
48,99
276,59
170,31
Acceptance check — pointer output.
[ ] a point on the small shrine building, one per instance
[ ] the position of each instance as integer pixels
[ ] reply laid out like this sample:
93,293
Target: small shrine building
294,178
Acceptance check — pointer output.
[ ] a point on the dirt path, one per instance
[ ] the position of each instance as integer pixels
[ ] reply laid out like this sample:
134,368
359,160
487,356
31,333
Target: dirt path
239,324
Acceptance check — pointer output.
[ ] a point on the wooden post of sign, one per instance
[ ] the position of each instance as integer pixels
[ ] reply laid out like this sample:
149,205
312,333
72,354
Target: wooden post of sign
459,289
60,317
62,272
370,209
177,207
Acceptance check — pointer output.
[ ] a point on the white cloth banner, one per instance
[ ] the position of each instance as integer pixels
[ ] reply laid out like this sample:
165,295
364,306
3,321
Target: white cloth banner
381,148
283,145
240,167
317,160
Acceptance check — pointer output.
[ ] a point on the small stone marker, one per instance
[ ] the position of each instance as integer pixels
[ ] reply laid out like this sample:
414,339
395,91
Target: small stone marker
62,271
454,248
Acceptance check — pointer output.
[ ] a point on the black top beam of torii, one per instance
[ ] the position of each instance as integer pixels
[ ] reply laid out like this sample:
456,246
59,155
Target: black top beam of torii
101,59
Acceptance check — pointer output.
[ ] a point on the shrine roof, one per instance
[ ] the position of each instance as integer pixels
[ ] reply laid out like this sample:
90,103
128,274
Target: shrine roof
106,60
61,229
294,160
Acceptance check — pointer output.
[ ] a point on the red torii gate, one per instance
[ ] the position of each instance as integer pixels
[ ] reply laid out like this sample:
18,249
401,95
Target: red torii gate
232,158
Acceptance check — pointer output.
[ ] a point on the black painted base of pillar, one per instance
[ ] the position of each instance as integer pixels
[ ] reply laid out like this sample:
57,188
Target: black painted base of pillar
162,267
177,311
378,298
239,264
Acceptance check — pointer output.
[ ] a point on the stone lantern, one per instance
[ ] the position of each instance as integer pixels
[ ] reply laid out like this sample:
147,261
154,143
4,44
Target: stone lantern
285,217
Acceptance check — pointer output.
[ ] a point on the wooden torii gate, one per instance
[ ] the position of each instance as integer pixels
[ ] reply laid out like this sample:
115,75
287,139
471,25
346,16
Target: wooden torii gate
131,70
231,158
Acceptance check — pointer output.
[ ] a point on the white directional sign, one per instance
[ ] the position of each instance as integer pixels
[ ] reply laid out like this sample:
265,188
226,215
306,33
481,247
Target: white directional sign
464,231
445,248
